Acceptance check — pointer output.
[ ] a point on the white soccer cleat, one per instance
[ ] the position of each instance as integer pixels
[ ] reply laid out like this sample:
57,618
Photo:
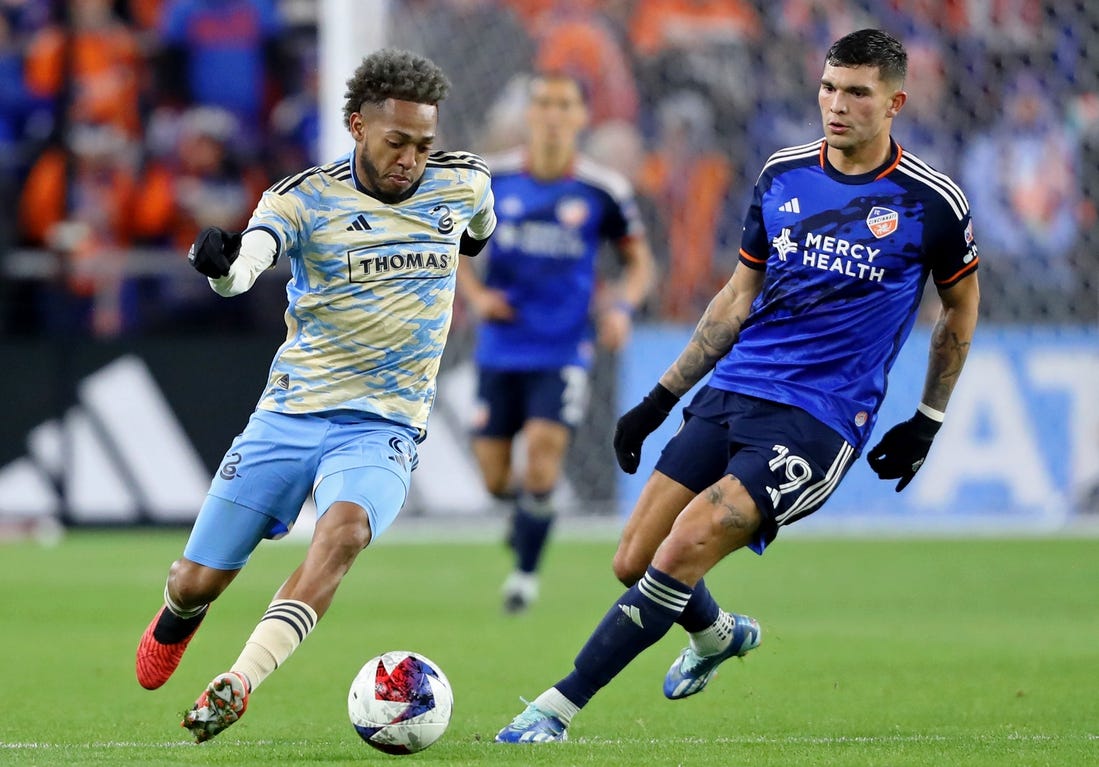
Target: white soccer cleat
520,591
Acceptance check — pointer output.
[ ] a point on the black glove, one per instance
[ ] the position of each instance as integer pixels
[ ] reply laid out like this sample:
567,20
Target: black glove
214,251
638,423
901,452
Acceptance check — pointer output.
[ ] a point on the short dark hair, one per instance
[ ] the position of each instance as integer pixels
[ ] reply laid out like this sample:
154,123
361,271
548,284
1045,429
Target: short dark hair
870,48
395,74
568,75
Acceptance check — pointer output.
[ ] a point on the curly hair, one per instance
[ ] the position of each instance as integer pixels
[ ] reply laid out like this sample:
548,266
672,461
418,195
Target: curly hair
395,74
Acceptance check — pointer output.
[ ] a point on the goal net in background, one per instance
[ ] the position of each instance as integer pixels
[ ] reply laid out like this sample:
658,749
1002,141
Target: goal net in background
687,101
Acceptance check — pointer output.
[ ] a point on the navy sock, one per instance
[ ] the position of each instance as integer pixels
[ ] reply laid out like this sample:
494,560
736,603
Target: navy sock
701,611
637,620
533,519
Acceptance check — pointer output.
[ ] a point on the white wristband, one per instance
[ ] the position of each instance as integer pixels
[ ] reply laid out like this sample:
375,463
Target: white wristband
930,412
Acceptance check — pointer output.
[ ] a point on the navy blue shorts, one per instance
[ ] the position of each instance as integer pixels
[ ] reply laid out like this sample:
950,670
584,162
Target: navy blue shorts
788,461
506,399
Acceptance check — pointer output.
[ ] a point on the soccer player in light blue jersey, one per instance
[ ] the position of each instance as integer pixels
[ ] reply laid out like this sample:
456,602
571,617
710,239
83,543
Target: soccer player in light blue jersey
373,241
838,244
535,298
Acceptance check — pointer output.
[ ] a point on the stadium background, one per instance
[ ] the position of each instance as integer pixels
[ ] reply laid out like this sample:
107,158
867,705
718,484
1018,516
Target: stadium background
126,126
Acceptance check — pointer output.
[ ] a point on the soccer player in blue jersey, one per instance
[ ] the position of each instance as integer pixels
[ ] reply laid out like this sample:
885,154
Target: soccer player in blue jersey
555,210
373,241
838,243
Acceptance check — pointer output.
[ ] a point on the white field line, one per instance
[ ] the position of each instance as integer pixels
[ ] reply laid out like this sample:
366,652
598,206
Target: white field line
1013,737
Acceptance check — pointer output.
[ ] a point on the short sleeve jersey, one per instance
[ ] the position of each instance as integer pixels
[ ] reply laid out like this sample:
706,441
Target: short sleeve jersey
543,256
371,292
846,261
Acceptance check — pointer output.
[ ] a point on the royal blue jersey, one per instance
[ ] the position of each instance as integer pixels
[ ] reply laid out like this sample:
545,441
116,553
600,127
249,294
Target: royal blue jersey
846,258
543,257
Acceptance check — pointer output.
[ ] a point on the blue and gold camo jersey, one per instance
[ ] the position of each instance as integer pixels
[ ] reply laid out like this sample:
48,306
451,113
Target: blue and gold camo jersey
847,258
372,285
543,257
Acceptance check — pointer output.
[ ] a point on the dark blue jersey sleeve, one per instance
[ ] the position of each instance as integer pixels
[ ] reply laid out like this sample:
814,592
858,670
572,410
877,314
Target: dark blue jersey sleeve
950,245
614,224
754,243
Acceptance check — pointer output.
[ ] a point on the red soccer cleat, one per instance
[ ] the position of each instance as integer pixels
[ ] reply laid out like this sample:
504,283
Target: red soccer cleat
157,662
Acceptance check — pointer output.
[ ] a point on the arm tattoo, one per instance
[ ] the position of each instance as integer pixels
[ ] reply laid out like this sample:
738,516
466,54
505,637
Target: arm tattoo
948,353
713,337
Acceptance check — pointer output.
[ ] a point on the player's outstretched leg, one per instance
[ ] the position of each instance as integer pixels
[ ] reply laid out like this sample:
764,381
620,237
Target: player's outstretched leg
691,672
636,620
223,702
162,645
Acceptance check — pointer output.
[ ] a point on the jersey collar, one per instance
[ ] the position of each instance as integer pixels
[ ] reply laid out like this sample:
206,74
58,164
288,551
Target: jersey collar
883,170
569,172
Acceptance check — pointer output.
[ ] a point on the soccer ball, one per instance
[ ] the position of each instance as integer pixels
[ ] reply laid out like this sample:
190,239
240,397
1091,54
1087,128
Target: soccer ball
400,702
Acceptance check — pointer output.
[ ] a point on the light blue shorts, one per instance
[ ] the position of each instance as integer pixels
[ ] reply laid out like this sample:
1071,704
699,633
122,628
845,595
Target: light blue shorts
275,463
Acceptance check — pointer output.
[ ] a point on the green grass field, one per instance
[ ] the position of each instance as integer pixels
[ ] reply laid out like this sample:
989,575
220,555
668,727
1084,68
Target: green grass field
893,652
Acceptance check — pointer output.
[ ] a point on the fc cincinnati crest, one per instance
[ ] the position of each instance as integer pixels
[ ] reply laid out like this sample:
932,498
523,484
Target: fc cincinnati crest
882,221
572,212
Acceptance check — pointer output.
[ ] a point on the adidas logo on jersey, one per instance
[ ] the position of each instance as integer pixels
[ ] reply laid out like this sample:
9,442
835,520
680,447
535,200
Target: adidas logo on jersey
360,224
790,206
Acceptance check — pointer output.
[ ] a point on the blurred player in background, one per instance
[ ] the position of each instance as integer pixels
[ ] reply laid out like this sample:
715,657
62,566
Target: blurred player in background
373,241
838,243
555,208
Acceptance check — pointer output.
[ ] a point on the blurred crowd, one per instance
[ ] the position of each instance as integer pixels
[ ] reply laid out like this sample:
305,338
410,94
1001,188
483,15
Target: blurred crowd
127,125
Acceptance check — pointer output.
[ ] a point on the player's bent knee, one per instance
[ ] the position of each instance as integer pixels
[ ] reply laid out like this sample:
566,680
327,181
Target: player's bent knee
689,552
496,484
541,479
676,557
192,585
628,567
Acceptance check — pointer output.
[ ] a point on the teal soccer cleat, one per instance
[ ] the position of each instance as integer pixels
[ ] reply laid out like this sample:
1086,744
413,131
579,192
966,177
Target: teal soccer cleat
691,672
533,726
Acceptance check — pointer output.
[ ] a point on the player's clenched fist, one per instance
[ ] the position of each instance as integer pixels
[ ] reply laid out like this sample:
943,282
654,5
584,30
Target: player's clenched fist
638,423
214,251
902,450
